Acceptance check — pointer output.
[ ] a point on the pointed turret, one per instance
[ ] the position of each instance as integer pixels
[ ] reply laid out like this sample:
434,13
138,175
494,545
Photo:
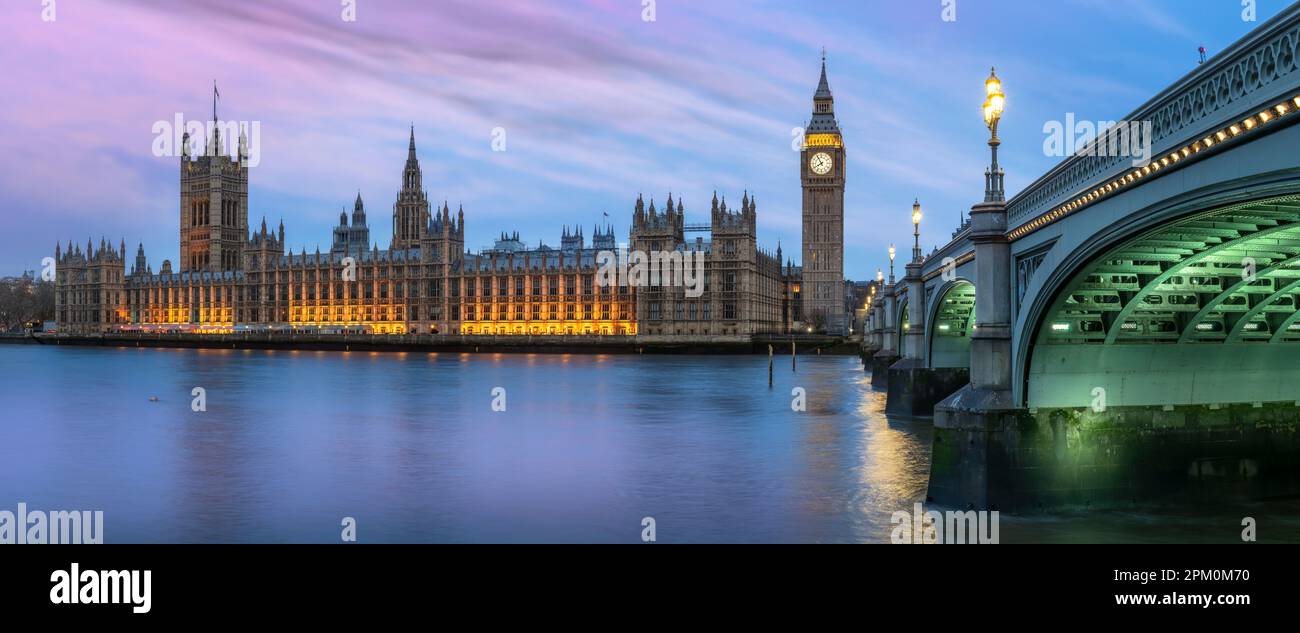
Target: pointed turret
141,265
411,213
411,175
358,211
823,119
823,86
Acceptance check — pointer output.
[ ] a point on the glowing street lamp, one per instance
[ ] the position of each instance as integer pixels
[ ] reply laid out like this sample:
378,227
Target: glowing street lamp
891,263
995,101
916,230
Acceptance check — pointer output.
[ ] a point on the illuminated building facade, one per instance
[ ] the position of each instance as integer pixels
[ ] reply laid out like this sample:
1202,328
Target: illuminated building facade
425,282
513,289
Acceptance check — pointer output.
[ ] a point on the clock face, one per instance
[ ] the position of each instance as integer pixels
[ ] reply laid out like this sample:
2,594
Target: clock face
821,163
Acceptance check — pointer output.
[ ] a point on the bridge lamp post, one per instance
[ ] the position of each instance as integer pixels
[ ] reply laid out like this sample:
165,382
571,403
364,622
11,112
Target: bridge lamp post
892,252
994,103
916,230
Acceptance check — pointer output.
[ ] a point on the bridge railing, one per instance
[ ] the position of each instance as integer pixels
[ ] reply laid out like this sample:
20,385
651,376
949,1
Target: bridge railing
1255,71
935,261
1251,73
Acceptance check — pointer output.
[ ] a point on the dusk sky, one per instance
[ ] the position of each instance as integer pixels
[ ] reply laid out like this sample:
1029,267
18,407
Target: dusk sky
597,105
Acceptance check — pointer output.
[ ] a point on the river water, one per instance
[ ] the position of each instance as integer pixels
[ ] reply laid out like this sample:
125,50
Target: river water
413,447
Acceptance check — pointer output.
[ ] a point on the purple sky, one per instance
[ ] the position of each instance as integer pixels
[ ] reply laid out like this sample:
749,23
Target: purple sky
597,106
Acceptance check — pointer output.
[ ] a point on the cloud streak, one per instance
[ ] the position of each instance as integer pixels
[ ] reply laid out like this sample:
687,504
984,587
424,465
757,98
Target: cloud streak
597,105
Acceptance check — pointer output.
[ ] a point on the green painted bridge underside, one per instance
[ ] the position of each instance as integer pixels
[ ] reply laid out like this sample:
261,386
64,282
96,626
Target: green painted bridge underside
1225,276
1155,374
1200,310
950,337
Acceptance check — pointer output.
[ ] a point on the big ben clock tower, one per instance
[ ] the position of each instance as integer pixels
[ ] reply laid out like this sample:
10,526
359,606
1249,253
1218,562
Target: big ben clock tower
822,174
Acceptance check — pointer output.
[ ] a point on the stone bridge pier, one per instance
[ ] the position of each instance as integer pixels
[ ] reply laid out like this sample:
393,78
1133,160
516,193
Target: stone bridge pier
887,336
914,385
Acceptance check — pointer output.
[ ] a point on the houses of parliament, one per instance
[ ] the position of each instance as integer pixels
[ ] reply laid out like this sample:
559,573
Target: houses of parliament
233,276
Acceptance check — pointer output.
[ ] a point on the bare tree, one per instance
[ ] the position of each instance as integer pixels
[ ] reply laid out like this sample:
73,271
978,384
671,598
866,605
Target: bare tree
24,300
817,320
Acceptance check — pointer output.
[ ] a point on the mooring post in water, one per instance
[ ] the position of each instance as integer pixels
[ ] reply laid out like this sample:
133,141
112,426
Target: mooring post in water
792,355
771,359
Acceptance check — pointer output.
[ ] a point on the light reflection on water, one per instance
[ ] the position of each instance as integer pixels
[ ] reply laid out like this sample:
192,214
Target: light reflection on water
407,443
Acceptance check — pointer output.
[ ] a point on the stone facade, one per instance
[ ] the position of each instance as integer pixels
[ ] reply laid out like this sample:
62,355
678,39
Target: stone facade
90,293
744,291
512,289
823,175
425,282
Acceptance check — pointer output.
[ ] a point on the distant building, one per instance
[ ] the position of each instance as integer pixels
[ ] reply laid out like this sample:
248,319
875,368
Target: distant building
855,302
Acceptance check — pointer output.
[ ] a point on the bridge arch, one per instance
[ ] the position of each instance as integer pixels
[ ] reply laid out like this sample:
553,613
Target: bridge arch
901,327
950,321
1193,303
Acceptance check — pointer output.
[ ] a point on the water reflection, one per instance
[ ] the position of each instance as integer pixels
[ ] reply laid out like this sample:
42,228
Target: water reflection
409,444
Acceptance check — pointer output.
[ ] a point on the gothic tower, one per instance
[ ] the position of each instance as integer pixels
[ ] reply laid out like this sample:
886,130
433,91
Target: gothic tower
822,175
411,211
214,201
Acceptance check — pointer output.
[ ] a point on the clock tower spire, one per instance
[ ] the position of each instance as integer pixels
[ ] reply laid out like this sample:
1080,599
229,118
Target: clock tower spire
822,174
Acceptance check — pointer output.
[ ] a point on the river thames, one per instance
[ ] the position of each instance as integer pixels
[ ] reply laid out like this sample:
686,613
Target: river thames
409,444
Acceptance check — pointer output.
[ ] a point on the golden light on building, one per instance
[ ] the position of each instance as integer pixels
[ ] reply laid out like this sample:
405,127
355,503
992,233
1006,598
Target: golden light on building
823,140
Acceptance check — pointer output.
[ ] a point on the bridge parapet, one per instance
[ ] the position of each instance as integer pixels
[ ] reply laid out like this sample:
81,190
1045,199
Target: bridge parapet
1254,72
959,246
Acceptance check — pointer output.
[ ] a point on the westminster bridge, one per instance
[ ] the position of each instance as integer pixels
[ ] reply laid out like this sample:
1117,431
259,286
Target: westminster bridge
1120,332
